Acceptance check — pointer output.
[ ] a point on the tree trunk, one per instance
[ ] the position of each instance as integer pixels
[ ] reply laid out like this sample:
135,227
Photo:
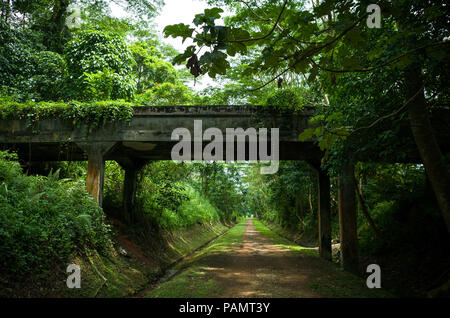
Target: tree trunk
299,207
7,10
324,217
311,209
129,195
426,142
347,220
55,26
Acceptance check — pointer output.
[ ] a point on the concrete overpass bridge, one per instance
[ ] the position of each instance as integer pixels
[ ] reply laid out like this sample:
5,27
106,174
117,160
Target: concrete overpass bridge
148,137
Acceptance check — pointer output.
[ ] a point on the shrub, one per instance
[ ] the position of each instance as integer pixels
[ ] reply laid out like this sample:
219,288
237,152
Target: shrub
95,56
94,113
44,220
284,99
197,209
193,209
106,85
166,94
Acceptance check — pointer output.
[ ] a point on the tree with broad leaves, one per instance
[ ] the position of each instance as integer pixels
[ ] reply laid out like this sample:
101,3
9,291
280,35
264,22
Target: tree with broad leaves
326,40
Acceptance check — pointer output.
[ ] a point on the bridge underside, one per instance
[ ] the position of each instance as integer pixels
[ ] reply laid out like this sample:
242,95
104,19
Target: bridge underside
150,150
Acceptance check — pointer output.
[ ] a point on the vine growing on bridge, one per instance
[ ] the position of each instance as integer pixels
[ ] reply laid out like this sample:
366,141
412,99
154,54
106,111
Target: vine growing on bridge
93,114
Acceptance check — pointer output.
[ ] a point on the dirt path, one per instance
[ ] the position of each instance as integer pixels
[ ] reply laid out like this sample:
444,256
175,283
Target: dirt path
261,269
246,264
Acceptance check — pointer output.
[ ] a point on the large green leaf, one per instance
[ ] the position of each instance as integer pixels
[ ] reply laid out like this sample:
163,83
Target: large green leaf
179,59
178,30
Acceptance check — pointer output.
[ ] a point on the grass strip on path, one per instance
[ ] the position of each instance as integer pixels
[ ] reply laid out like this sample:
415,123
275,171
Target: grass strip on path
282,242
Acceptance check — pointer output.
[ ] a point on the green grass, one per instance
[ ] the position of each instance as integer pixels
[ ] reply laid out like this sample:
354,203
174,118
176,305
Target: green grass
192,283
229,242
192,280
122,278
125,276
338,283
101,276
282,242
342,284
182,242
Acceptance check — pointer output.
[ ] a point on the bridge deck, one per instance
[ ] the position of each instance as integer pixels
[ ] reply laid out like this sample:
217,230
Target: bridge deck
148,134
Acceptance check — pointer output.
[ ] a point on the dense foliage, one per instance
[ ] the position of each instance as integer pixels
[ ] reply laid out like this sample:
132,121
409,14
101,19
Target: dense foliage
171,196
100,67
364,79
92,113
45,60
288,198
44,220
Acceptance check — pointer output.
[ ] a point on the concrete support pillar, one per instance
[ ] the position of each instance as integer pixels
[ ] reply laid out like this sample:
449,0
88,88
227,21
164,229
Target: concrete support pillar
129,195
96,168
95,176
131,167
347,220
324,214
323,209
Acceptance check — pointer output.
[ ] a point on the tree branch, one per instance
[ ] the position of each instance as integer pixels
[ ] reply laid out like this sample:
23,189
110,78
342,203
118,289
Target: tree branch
273,79
370,69
257,16
267,34
391,114
312,52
